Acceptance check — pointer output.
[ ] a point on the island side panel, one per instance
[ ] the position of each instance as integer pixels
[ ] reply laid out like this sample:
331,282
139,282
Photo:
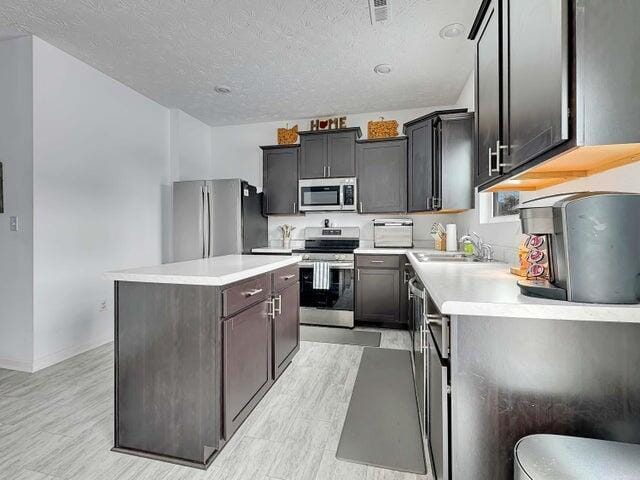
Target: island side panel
512,377
167,371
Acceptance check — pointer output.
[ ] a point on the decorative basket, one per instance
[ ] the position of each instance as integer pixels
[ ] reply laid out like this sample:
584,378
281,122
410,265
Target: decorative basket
287,136
382,128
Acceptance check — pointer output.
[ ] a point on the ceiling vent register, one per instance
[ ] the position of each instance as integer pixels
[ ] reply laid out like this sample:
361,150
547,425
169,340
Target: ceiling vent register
380,11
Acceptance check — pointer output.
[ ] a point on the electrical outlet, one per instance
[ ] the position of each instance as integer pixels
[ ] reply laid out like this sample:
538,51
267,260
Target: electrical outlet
13,224
103,306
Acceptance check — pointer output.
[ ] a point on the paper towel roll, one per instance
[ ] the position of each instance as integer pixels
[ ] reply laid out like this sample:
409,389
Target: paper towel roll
452,237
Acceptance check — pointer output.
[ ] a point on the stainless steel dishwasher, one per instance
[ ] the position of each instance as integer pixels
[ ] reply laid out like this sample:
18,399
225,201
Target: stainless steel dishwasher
417,295
438,386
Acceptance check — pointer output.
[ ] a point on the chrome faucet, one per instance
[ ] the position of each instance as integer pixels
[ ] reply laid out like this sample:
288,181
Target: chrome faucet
482,251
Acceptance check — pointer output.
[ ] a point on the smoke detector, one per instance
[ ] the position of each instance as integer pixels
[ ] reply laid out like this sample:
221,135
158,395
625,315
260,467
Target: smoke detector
380,11
382,69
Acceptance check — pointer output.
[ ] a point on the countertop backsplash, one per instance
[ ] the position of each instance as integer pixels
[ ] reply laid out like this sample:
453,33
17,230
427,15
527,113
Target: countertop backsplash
421,227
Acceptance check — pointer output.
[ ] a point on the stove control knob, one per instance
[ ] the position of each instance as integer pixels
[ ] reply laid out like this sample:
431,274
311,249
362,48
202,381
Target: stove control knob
305,256
339,257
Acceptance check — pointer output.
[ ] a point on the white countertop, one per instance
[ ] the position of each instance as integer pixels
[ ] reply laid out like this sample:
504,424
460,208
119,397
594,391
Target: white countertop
488,289
272,250
398,251
207,271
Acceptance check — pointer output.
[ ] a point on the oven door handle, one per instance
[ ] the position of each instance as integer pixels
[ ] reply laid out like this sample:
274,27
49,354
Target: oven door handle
335,266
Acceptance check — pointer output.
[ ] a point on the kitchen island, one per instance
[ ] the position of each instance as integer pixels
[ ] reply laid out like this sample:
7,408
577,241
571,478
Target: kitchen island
197,346
500,365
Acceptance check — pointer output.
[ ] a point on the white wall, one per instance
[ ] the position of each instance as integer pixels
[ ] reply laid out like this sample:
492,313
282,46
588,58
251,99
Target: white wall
16,248
190,148
101,157
467,96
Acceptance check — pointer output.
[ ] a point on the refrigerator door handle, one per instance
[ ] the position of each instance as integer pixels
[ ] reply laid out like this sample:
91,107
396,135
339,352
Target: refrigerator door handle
203,222
208,221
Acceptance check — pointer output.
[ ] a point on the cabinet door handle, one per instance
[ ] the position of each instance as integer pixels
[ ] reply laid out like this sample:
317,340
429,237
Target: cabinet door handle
253,292
360,207
277,310
377,261
287,277
429,207
294,207
496,154
499,149
491,154
324,171
272,308
358,274
329,171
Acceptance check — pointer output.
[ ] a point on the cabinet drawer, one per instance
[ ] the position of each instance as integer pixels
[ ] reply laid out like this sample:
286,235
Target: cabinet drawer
246,293
378,261
285,276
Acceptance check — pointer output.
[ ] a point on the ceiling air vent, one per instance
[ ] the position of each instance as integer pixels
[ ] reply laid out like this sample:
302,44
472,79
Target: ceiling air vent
380,11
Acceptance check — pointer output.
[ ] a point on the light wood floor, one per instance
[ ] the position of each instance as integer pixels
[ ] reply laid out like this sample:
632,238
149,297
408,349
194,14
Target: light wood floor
58,424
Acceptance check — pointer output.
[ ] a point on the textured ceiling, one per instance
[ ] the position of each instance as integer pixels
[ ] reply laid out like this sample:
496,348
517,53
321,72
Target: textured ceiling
282,58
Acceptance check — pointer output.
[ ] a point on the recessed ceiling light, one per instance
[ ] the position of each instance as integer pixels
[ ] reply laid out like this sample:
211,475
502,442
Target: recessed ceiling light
382,69
221,89
452,30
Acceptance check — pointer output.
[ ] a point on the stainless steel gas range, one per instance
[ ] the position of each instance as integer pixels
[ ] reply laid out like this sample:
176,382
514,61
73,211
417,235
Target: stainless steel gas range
327,281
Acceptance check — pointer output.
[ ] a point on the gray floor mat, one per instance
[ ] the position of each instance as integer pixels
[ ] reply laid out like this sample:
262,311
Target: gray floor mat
382,427
311,333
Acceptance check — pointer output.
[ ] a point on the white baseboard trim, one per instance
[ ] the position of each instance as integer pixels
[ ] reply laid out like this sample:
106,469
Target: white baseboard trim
65,354
9,364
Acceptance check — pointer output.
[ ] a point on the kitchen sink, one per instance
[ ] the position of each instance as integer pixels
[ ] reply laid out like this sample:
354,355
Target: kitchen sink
455,258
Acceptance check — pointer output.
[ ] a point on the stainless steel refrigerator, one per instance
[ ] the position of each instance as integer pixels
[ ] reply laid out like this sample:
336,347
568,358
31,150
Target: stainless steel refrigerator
216,217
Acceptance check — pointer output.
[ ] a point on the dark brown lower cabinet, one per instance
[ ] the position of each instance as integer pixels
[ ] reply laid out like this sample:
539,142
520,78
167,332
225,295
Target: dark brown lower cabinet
381,290
286,328
378,296
247,363
192,362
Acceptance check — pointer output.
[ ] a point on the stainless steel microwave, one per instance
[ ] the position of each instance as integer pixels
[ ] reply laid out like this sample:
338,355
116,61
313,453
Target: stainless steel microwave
323,194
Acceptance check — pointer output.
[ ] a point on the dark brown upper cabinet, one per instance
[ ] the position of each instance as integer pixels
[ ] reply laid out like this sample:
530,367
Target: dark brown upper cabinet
535,79
313,156
280,179
522,84
328,154
453,171
440,161
487,92
420,165
554,84
382,175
